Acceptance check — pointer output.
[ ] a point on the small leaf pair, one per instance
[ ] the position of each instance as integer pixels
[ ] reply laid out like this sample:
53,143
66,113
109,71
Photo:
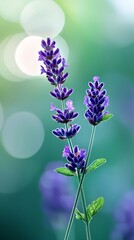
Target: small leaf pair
92,209
67,172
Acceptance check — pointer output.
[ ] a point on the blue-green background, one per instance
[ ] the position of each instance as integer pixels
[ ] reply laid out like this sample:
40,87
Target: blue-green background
92,52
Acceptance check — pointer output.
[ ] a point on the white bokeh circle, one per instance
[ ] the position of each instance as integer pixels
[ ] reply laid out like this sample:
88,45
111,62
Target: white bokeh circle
124,8
15,8
8,67
44,18
26,55
22,134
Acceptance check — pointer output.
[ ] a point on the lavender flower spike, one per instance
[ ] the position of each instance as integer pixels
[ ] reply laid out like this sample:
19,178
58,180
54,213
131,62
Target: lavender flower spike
64,134
66,115
96,101
53,65
75,158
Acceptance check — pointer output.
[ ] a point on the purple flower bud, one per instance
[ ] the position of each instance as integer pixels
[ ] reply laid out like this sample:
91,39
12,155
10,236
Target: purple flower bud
53,64
66,151
70,167
65,116
52,108
64,134
96,78
69,104
76,158
42,70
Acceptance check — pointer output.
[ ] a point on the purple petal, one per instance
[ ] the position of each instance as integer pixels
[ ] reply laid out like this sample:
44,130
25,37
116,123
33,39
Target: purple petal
69,104
52,107
66,151
96,78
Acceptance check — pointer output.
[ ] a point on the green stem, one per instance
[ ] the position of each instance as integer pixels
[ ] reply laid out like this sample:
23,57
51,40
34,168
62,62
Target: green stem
85,210
80,185
88,230
82,195
90,146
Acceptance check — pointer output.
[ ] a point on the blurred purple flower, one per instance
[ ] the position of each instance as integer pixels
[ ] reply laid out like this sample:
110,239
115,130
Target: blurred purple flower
57,196
96,101
124,217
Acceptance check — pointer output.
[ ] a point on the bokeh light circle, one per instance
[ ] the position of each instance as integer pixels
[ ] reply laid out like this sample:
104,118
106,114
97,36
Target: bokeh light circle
22,135
44,18
15,8
124,8
26,55
8,67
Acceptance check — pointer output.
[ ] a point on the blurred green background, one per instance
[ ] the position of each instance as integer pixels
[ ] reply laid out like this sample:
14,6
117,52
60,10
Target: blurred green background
100,40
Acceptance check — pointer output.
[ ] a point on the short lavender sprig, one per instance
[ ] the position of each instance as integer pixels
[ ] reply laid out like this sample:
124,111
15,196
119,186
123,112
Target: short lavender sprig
96,101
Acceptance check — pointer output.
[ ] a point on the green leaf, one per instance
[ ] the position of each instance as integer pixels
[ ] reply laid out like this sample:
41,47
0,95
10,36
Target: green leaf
79,215
65,171
107,117
94,207
97,163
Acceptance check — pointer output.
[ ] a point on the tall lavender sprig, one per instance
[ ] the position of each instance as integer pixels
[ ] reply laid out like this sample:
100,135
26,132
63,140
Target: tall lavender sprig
96,101
53,67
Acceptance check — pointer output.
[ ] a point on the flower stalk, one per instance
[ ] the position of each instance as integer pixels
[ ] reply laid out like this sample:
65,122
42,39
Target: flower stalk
79,187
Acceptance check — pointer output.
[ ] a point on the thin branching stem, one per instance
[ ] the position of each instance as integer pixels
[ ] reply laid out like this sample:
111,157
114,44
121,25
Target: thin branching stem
80,184
82,190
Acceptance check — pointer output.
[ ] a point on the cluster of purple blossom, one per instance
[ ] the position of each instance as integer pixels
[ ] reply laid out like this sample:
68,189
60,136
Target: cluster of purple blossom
57,196
124,219
96,101
53,66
